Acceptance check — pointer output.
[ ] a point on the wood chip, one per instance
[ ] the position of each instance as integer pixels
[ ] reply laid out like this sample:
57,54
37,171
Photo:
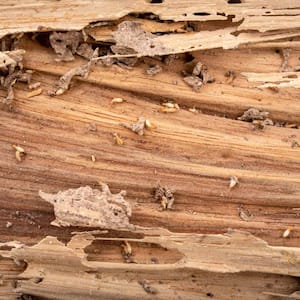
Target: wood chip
34,93
93,158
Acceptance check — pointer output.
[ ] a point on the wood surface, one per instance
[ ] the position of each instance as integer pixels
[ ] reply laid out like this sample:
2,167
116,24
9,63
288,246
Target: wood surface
192,153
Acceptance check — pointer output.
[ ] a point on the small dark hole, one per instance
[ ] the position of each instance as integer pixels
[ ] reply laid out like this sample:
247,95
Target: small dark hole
58,40
277,51
268,12
201,14
184,15
209,295
152,46
188,57
234,1
115,213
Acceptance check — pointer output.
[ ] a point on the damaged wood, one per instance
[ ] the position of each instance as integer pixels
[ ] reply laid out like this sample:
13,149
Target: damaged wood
227,173
74,266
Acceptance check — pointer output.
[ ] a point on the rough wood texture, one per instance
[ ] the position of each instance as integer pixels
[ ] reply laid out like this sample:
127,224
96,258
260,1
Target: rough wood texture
69,141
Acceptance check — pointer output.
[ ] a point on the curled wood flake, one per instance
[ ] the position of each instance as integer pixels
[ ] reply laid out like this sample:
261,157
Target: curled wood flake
147,287
34,93
89,207
285,59
154,70
93,158
65,44
130,34
20,152
117,139
233,182
82,71
165,196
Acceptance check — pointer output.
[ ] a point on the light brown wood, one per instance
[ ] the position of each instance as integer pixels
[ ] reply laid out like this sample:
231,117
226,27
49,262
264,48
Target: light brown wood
216,242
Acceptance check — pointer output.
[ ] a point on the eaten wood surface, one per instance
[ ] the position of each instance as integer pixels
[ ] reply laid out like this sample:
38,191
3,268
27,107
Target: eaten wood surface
218,239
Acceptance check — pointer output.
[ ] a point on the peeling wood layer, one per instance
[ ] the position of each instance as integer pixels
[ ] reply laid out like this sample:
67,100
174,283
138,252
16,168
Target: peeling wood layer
85,278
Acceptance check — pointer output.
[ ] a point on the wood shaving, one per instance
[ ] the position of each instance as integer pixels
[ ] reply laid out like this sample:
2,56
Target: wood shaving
89,207
165,196
34,93
147,287
130,34
137,127
117,100
117,139
244,213
82,71
20,152
285,59
233,182
65,44
93,158
154,70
